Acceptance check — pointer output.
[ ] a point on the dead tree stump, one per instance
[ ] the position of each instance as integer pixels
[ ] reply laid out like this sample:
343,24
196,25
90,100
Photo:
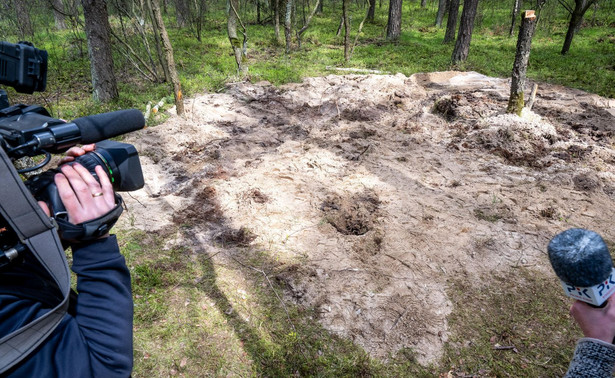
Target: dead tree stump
524,43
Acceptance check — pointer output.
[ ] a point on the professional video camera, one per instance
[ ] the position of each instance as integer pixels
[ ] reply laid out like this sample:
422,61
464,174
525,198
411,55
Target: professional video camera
29,131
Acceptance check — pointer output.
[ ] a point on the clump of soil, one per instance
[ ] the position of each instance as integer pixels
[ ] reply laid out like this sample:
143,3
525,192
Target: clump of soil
354,215
373,191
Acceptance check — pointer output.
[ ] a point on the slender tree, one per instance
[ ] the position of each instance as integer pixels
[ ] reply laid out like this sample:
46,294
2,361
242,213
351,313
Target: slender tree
307,23
182,13
451,23
524,44
464,36
576,18
239,48
517,4
276,19
288,24
24,22
160,29
394,22
371,13
442,8
345,4
99,49
57,7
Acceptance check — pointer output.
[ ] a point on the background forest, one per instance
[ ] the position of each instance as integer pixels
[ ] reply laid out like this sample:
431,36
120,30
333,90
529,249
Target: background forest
281,42
161,51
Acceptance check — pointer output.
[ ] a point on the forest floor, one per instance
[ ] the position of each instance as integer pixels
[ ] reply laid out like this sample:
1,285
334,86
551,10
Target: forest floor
368,194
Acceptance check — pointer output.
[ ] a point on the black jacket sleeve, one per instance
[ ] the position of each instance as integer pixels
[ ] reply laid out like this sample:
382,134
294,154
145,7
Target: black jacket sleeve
97,340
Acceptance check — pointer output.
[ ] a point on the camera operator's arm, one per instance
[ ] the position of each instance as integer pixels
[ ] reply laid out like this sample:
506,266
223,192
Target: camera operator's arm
595,354
104,304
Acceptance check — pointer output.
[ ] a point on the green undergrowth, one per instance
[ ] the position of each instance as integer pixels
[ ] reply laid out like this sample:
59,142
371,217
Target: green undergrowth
510,324
208,65
222,314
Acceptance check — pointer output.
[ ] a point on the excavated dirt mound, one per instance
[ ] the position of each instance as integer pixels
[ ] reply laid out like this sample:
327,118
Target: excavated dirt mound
372,191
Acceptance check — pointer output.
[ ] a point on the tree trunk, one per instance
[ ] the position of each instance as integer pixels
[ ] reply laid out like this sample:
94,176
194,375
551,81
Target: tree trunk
576,18
423,3
99,49
442,5
524,44
161,30
158,43
394,23
515,12
24,23
239,48
276,19
307,22
182,13
371,13
288,24
345,4
451,23
464,36
58,14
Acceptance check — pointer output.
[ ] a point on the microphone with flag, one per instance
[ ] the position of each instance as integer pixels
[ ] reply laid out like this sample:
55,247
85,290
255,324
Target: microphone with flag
582,262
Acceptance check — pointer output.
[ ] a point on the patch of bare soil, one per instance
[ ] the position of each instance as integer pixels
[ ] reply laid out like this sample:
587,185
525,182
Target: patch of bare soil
373,191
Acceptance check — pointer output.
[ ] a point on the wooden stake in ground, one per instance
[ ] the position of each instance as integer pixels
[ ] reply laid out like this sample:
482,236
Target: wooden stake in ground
524,43
168,51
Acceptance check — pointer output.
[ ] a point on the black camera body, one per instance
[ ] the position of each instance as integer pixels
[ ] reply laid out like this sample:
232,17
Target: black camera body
29,131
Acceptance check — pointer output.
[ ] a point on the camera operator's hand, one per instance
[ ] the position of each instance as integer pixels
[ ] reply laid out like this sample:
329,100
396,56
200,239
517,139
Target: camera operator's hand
76,151
83,196
597,323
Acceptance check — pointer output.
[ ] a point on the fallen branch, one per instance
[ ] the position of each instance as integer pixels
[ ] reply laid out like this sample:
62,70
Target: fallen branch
530,102
505,347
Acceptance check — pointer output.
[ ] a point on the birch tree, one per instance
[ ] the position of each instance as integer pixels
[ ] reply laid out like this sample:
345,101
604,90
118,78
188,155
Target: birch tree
239,48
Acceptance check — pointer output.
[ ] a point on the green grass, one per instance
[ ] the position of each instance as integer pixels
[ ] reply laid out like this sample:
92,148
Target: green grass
197,314
208,65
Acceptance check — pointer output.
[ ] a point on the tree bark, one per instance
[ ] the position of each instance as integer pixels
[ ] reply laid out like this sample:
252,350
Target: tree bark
442,5
464,36
182,13
58,14
288,24
576,18
371,13
524,44
451,23
161,30
237,46
307,23
345,4
24,23
515,12
276,19
97,28
394,23
158,42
